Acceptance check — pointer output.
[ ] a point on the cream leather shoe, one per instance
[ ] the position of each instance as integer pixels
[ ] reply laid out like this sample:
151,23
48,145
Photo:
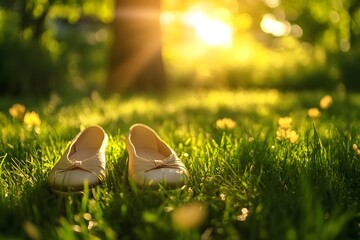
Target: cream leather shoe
83,161
151,160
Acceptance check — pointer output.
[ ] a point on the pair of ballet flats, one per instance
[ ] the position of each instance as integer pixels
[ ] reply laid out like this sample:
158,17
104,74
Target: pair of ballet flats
151,161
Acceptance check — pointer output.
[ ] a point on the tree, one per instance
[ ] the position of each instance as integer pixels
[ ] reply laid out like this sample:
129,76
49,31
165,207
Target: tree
34,59
136,62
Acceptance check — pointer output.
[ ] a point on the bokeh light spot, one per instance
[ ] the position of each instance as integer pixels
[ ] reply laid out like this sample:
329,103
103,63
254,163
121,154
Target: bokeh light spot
269,24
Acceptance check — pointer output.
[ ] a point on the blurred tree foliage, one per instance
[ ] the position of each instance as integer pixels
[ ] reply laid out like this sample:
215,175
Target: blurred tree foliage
37,51
317,47
333,25
49,44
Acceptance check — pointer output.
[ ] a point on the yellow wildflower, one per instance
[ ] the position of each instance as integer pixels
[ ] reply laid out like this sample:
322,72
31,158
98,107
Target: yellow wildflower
285,122
326,102
356,149
282,133
17,111
222,196
32,119
290,134
31,230
294,137
285,130
244,214
225,123
314,113
189,216
76,228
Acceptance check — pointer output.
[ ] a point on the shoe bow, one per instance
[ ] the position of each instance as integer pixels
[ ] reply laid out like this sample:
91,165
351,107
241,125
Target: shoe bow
170,162
86,165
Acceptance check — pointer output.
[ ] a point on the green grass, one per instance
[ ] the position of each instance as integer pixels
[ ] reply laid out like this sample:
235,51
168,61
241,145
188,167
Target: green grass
304,190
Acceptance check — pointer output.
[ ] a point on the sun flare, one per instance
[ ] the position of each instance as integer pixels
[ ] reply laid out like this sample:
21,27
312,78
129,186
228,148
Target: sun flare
212,31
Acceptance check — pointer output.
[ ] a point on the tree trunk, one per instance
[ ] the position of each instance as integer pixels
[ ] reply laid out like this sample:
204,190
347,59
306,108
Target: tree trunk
136,62
353,9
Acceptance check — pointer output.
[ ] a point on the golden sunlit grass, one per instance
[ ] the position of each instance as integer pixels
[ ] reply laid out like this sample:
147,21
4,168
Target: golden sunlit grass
254,157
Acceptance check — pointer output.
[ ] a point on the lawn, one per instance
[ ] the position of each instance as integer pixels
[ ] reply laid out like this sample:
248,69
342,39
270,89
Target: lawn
261,167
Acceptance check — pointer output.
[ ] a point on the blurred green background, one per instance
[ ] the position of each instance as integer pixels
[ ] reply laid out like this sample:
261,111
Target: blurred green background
65,45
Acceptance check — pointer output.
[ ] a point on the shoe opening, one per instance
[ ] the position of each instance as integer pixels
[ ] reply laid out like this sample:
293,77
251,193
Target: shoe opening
144,138
91,138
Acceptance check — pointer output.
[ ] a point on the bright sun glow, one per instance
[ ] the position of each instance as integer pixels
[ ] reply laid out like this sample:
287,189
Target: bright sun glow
212,31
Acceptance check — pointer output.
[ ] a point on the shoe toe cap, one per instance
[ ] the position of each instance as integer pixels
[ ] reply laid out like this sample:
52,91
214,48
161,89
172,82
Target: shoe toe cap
170,177
72,180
